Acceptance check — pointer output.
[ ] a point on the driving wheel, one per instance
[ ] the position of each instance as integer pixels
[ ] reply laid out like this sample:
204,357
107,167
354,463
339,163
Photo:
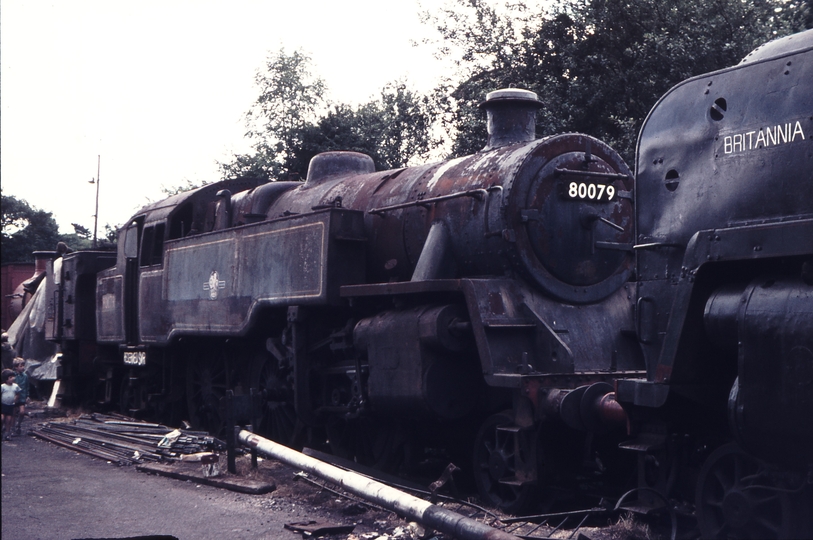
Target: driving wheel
383,445
737,498
495,466
278,420
207,378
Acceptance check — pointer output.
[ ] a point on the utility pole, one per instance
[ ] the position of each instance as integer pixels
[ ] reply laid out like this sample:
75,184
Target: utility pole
96,215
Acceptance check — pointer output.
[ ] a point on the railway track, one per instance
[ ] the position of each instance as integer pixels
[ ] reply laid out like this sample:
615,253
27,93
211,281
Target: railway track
127,441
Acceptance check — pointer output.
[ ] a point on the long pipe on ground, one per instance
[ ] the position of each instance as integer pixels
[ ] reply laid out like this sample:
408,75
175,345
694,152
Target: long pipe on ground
425,513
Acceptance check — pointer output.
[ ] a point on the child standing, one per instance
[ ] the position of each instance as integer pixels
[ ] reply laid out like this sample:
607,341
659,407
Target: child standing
21,379
9,398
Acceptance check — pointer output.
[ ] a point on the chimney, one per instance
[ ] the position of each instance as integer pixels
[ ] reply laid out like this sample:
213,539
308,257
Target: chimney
41,259
511,116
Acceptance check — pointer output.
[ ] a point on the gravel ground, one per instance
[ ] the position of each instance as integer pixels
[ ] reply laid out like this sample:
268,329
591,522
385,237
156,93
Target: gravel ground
50,492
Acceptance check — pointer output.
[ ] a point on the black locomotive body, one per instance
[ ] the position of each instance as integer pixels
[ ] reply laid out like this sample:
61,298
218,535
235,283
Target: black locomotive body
536,293
725,298
725,308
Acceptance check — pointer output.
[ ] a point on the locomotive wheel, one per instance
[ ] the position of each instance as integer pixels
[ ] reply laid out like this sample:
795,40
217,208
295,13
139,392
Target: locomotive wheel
373,443
278,420
128,397
207,380
736,498
495,460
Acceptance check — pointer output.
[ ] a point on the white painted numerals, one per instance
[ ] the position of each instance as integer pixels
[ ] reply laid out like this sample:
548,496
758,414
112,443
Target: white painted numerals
135,358
590,191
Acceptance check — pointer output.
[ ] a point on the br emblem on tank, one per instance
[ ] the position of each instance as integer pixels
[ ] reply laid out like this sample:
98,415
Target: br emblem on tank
213,285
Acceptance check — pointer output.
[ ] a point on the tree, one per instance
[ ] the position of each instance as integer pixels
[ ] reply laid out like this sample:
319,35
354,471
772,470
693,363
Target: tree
402,122
598,65
81,231
25,229
291,98
175,190
292,121
111,237
393,129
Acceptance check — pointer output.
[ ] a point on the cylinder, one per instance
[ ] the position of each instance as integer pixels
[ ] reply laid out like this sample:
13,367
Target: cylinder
721,316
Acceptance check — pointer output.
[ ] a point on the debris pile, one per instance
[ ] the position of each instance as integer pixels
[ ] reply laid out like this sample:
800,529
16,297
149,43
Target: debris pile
124,440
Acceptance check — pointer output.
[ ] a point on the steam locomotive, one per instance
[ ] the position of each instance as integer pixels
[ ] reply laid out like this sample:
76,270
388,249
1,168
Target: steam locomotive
536,301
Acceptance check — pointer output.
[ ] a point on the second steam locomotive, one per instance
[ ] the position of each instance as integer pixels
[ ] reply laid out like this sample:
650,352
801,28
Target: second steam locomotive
536,302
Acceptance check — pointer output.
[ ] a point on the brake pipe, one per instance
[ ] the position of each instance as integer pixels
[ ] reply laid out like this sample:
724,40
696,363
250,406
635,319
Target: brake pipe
427,514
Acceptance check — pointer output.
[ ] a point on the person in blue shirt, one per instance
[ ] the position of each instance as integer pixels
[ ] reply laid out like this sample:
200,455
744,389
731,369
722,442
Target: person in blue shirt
9,398
21,379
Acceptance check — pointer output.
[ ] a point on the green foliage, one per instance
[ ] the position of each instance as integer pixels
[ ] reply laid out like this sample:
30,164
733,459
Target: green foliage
25,229
111,236
259,164
290,99
76,241
292,121
598,65
81,231
393,129
15,214
188,186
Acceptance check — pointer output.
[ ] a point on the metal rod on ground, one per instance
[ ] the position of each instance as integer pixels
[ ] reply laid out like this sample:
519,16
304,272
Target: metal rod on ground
427,514
76,448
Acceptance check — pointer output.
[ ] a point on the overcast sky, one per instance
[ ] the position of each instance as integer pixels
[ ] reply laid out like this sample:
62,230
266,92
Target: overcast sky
158,88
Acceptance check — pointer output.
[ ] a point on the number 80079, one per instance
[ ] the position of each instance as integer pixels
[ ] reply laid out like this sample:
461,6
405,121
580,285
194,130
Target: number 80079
590,191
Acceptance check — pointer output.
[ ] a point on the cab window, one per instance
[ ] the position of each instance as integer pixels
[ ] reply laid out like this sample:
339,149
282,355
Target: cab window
152,245
131,242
